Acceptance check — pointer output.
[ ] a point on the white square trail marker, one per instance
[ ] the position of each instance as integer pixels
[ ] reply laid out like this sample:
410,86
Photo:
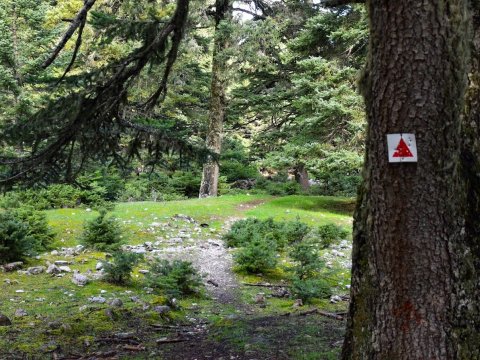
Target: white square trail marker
402,148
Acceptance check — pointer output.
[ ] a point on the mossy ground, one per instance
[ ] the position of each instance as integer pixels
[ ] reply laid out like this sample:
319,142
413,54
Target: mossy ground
242,330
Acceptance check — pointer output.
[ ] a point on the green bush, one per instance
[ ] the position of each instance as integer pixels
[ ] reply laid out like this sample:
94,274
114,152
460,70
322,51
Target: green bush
173,279
15,240
327,235
102,233
23,232
307,289
38,227
258,256
307,259
282,233
186,183
338,172
119,270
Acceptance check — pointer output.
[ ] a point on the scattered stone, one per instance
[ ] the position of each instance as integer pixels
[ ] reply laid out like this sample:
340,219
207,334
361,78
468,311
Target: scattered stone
79,279
13,266
97,299
112,315
281,293
335,298
162,309
65,269
297,303
4,321
62,262
204,225
20,291
53,269
99,266
36,270
20,313
143,271
148,245
54,252
66,327
260,298
103,291
54,325
88,210
83,308
115,302
148,290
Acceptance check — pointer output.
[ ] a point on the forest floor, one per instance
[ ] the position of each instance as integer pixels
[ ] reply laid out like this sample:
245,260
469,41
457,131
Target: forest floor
52,318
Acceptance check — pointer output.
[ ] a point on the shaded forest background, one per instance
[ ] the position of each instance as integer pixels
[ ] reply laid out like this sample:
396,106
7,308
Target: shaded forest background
118,114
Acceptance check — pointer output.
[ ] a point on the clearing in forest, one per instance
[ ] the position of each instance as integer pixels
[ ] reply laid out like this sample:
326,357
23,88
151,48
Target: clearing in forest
54,318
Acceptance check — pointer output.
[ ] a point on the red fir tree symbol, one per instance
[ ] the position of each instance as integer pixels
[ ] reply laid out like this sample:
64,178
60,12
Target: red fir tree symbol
402,150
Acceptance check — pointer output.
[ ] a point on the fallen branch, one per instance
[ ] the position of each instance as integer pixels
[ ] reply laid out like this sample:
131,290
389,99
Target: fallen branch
266,285
167,341
336,316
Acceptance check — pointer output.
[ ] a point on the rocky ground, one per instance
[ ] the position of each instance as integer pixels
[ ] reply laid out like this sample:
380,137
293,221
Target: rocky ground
70,314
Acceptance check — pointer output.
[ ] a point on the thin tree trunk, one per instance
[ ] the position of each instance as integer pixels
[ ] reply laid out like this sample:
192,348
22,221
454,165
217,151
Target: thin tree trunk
409,238
301,177
209,185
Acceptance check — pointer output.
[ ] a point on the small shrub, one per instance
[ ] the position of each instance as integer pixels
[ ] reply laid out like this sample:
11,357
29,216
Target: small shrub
173,279
327,235
258,256
282,233
307,260
102,233
307,289
15,240
37,225
294,231
119,271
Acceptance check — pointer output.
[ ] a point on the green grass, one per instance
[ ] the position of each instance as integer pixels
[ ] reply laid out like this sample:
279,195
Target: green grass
313,210
49,298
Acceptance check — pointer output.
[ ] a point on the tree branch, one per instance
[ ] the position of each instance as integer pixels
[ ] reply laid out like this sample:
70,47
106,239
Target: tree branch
75,24
334,3
255,15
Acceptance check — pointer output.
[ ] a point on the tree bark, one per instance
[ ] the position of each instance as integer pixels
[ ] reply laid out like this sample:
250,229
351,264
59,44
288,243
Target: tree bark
408,288
209,185
301,177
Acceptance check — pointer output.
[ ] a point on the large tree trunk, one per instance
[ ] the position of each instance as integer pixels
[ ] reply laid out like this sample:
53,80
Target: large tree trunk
209,185
409,278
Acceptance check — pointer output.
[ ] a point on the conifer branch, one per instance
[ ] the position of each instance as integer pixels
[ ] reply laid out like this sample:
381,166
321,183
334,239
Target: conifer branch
77,22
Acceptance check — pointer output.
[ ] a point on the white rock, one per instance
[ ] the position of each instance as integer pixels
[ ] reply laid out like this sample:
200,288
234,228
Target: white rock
54,252
65,269
79,279
53,269
99,266
97,299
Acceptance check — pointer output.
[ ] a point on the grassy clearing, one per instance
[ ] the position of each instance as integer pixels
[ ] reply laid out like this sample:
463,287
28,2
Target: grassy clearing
313,210
47,299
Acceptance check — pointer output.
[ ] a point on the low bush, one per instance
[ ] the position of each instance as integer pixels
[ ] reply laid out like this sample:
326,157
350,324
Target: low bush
38,227
308,289
258,255
327,235
102,233
119,270
23,232
307,260
283,233
15,240
173,279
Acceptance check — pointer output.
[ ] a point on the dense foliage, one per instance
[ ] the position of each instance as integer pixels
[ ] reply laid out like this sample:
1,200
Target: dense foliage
102,233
